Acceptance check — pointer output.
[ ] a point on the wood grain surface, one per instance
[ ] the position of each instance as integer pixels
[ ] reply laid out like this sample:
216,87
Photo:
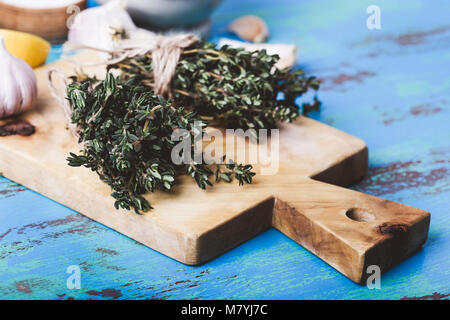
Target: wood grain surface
194,226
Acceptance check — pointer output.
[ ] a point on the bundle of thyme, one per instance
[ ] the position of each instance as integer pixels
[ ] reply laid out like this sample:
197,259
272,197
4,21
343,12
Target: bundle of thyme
230,87
125,130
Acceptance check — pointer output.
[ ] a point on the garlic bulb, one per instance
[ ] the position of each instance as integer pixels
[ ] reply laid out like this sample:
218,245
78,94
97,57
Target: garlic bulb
18,84
96,27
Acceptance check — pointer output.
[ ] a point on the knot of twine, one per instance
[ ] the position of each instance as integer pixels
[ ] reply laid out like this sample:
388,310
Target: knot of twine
165,51
165,58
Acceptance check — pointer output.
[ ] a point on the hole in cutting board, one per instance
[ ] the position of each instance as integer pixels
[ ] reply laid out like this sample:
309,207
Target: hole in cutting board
359,215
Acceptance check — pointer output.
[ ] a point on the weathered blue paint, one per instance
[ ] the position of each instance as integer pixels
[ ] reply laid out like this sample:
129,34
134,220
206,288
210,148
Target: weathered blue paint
390,87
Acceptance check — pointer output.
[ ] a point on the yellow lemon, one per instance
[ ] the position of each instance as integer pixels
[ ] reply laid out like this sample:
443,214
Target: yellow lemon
33,49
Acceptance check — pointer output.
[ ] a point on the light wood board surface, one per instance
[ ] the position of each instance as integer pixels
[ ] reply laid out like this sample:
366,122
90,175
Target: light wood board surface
347,229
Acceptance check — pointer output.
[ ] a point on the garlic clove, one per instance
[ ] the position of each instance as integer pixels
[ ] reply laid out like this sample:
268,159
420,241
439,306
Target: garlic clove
250,28
10,100
18,84
26,83
287,52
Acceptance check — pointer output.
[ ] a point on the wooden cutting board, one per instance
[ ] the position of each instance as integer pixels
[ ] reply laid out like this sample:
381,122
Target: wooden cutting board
347,229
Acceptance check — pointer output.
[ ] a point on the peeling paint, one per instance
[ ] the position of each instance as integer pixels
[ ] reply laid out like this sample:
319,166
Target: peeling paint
107,251
414,38
51,223
406,39
5,234
116,268
22,286
182,281
10,188
106,293
420,110
399,176
11,192
332,82
434,296
424,110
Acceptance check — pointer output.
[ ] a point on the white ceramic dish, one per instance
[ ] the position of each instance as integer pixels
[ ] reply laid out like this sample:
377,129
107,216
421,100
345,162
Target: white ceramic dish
170,14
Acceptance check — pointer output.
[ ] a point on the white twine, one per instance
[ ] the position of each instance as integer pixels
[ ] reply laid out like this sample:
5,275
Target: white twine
165,50
63,102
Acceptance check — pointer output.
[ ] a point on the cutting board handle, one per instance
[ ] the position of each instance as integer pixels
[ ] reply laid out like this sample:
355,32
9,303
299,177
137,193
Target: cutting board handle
348,229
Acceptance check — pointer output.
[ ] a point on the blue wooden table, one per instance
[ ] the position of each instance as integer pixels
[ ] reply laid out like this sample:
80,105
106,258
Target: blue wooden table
390,87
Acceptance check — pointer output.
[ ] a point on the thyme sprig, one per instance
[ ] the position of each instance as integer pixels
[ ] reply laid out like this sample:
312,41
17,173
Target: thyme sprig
231,87
125,130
